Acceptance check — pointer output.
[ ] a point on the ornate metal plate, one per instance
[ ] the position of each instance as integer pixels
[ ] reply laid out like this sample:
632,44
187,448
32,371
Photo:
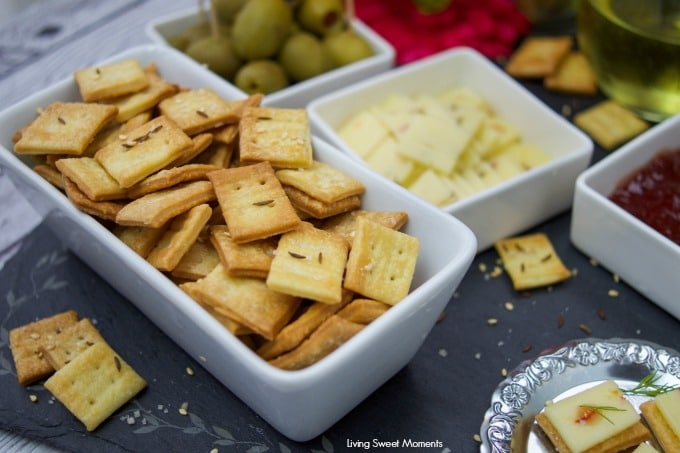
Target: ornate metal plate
566,369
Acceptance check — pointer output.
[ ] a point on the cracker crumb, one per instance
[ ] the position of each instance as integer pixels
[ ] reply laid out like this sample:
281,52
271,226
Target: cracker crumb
509,306
482,267
594,262
504,372
443,352
214,450
492,321
183,408
478,355
33,398
190,371
616,278
477,438
497,271
566,110
613,293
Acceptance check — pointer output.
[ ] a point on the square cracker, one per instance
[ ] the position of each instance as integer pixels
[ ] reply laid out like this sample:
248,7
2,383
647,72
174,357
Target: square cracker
322,182
198,261
140,239
381,263
539,56
107,210
317,208
140,101
196,111
363,311
531,261
91,178
95,384
26,341
156,208
663,432
145,150
111,80
327,338
246,300
179,237
280,136
252,259
610,124
171,177
574,75
72,341
253,202
344,224
64,128
309,263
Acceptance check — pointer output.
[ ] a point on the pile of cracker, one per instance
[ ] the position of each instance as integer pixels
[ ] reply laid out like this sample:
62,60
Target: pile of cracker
84,372
227,199
565,70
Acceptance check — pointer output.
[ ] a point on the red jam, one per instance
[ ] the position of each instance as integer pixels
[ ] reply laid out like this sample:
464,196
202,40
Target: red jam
652,194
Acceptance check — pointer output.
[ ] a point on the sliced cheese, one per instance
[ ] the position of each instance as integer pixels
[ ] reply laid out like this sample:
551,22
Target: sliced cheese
363,132
592,416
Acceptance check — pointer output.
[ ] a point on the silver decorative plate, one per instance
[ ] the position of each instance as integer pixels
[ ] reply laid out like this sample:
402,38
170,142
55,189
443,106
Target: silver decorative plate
567,369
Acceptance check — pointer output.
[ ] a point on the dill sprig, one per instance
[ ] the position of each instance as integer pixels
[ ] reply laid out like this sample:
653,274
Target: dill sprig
648,387
600,410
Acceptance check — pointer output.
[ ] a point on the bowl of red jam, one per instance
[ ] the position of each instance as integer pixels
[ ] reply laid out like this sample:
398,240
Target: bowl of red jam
626,213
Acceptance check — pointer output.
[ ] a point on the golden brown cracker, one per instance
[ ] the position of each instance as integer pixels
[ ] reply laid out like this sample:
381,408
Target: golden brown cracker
91,178
253,202
246,300
95,384
309,263
363,311
198,261
64,128
51,175
539,56
144,151
344,224
198,110
330,335
26,342
74,339
574,76
322,182
107,81
610,124
145,99
317,208
156,208
531,261
170,177
662,431
107,210
140,239
251,259
179,237
201,142
381,263
279,136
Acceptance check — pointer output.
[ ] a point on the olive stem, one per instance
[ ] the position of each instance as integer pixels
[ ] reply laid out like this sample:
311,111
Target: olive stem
214,23
349,12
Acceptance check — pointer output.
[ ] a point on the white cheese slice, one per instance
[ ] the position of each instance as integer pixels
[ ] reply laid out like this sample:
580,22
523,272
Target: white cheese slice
363,132
432,187
669,406
592,416
645,448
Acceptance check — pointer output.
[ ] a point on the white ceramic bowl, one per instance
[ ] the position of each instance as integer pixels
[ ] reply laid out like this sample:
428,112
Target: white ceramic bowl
624,244
300,404
299,94
507,208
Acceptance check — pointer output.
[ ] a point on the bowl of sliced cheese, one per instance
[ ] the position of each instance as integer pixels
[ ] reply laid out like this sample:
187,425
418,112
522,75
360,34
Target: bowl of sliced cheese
461,134
296,302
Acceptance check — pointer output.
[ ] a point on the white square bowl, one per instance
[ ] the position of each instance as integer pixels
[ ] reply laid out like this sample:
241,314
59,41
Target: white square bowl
299,94
300,404
512,206
644,258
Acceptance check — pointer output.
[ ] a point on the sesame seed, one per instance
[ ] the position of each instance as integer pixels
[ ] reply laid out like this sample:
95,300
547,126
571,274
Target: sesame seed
613,293
509,306
492,321
190,371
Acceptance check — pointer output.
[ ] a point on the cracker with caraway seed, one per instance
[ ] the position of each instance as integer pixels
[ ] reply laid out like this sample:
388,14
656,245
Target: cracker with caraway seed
277,135
146,149
246,300
143,100
111,80
95,384
250,259
72,341
196,111
178,238
328,337
232,326
610,124
539,56
531,261
253,202
156,208
309,263
25,343
198,261
322,182
64,128
381,263
344,224
91,178
201,142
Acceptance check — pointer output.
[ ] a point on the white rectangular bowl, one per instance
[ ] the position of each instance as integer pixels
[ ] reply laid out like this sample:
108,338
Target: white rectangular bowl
644,258
300,404
510,207
299,94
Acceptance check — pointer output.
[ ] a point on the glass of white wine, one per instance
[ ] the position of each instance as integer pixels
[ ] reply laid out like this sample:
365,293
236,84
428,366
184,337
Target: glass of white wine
634,49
